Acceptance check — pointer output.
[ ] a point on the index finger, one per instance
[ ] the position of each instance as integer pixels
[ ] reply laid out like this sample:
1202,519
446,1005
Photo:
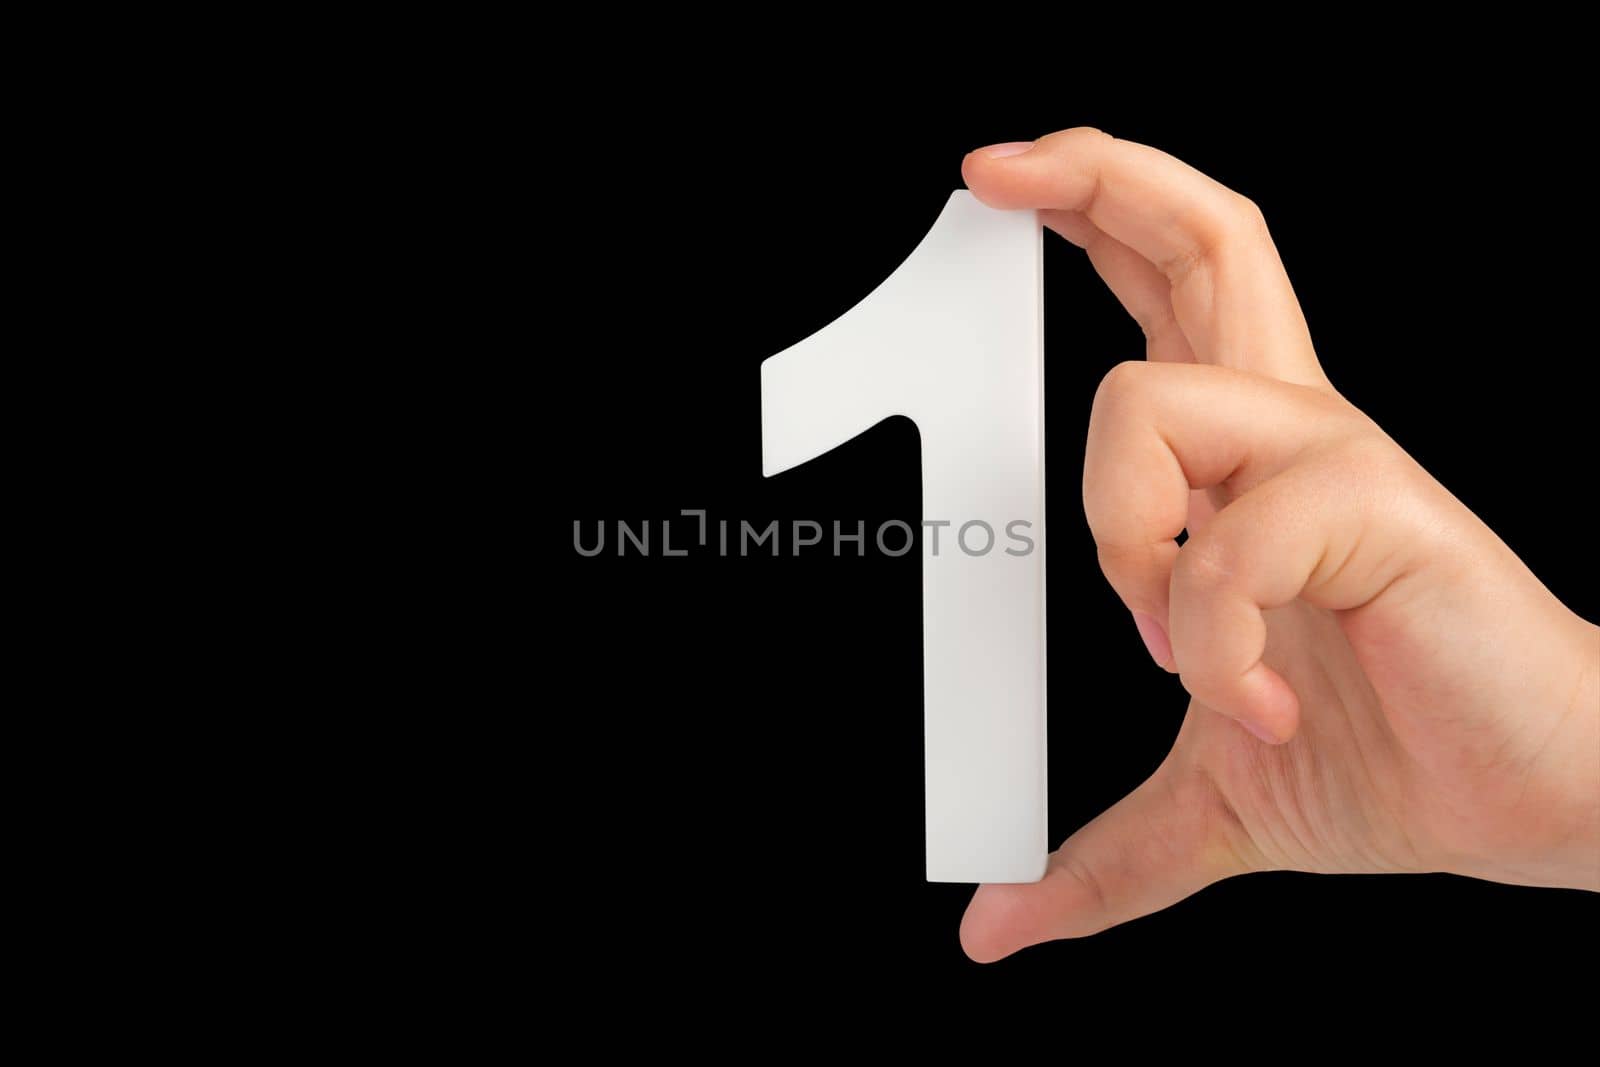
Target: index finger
1230,294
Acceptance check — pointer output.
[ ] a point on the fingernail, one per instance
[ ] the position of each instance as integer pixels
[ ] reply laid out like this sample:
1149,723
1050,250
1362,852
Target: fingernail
1261,734
1010,148
1155,637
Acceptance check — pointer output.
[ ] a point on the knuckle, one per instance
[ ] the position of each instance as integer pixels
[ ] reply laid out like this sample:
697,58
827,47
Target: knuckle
1119,389
1077,137
1237,222
1247,215
1179,267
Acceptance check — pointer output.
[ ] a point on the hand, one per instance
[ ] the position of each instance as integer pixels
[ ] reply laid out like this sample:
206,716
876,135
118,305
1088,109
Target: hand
1379,684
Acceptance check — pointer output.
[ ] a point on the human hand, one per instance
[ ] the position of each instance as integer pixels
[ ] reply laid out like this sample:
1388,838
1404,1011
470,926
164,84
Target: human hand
1379,684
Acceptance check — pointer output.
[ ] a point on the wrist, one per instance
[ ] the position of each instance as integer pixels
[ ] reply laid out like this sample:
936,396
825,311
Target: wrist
1543,786
1570,763
1581,721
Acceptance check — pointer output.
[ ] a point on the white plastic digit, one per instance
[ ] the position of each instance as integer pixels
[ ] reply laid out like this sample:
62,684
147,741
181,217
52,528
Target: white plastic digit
954,340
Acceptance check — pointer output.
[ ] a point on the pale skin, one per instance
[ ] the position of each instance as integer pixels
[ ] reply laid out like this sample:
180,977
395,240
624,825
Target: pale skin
1378,683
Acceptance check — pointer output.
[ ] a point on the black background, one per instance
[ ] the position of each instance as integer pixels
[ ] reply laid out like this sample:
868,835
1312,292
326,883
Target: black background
726,771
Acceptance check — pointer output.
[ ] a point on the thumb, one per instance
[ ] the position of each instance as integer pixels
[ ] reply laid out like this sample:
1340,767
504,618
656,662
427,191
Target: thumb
1169,838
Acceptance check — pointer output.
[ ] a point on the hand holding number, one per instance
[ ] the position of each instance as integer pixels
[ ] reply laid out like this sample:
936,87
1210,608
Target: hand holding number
1379,684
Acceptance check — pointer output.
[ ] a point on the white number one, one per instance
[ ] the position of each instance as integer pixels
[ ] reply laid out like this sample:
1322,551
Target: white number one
954,340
